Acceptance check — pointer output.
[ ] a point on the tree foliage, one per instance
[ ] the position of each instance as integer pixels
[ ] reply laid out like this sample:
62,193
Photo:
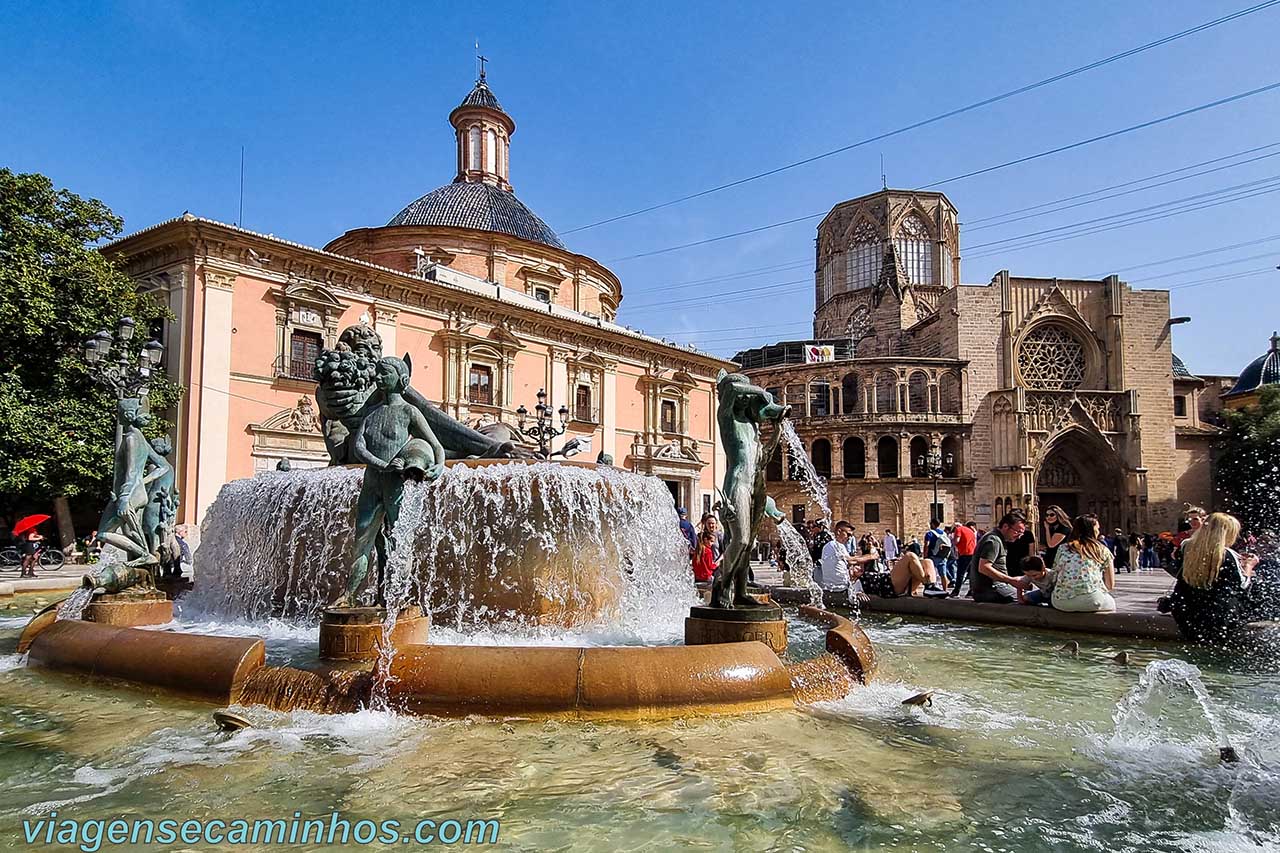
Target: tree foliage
1247,466
57,290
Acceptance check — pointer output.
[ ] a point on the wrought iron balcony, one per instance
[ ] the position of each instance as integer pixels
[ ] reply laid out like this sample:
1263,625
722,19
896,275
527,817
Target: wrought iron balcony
301,369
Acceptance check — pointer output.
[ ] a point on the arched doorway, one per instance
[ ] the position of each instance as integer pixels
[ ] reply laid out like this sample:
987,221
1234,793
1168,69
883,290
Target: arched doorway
1081,474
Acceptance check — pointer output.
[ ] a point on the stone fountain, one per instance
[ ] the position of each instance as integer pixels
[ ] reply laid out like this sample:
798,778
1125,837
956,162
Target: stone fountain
413,526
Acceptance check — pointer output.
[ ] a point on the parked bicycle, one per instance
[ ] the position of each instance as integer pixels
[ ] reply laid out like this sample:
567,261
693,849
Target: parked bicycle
51,559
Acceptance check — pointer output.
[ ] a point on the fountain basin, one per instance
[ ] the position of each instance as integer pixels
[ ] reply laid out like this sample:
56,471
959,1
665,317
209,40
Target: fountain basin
622,682
197,666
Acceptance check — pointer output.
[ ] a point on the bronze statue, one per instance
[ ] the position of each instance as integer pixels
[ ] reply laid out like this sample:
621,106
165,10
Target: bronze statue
123,524
346,385
161,514
742,410
395,441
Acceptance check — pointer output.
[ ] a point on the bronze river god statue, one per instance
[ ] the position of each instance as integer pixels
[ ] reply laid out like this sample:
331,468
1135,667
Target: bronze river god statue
346,378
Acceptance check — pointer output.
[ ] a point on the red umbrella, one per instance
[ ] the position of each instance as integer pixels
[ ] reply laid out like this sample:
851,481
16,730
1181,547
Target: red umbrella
29,522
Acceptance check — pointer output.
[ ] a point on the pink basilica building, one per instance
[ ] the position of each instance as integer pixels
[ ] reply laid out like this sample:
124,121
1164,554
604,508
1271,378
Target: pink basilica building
483,295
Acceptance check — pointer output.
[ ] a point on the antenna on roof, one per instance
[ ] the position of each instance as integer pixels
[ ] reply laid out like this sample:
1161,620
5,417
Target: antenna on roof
884,183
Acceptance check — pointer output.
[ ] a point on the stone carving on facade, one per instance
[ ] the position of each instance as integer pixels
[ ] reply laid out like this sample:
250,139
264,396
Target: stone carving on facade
1058,473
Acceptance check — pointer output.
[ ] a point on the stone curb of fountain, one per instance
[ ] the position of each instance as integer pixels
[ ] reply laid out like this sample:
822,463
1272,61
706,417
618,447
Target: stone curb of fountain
58,583
1152,625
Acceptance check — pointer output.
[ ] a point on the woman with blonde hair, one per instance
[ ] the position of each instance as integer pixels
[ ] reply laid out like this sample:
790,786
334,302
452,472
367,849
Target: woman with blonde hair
1213,596
1084,570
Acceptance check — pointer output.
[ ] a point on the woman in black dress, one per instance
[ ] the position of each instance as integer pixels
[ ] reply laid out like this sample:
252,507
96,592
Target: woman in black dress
1057,527
1215,595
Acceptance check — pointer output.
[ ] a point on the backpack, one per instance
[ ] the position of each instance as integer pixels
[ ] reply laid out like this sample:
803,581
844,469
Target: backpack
941,545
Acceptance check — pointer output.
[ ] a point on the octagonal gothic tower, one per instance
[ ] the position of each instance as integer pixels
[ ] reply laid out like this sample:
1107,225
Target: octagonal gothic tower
882,262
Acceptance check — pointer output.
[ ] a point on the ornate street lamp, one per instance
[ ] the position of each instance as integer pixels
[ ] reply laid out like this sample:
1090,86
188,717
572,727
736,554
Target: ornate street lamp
113,366
933,464
543,428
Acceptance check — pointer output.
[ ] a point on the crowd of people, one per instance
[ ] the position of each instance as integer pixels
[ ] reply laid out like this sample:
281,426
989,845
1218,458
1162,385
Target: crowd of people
1071,566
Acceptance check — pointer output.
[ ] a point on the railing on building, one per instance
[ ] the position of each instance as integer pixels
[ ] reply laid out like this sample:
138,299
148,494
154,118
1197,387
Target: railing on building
302,369
853,418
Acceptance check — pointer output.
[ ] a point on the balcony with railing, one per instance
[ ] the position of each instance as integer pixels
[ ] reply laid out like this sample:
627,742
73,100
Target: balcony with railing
299,369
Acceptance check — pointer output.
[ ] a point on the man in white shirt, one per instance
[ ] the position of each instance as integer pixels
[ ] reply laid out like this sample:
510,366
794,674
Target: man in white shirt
839,567
890,546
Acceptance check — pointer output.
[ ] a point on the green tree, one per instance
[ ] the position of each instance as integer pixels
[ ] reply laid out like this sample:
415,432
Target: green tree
56,291
1247,463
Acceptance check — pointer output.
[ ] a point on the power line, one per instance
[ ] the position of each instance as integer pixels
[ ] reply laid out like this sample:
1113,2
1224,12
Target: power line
1006,221
705,296
986,170
1188,257
1205,267
1117,225
1232,277
934,119
1137,210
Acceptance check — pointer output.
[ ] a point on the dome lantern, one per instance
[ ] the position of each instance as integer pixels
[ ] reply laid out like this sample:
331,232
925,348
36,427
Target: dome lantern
483,131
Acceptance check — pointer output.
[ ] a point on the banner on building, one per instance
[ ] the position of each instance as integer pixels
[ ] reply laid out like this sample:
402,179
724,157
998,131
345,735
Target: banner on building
814,353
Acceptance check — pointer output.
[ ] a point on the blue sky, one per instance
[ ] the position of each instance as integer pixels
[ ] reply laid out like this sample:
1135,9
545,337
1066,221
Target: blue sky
342,109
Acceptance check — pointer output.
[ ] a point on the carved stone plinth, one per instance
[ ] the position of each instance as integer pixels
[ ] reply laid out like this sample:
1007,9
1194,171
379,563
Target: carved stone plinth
355,633
130,609
705,625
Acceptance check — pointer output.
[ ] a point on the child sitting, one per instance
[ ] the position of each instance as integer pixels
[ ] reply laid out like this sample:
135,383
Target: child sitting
1037,584
704,561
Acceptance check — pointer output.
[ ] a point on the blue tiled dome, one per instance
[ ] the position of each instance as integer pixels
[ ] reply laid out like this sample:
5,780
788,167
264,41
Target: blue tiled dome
1263,370
481,206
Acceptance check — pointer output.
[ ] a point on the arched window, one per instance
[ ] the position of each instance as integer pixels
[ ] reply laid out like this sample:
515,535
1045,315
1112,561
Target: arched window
918,393
502,158
821,455
919,456
473,147
773,468
863,257
1050,358
887,456
915,250
819,400
886,393
827,276
950,457
506,159
491,152
949,394
855,458
849,402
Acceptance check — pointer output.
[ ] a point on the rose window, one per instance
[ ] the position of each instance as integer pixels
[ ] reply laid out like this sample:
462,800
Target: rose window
1052,359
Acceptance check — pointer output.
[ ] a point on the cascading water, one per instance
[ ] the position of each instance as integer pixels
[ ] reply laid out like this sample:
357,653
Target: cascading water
517,544
797,553
72,607
802,469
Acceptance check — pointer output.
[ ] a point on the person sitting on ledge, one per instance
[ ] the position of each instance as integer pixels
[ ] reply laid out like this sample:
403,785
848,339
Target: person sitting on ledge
909,576
1037,582
1084,571
839,567
1219,590
992,583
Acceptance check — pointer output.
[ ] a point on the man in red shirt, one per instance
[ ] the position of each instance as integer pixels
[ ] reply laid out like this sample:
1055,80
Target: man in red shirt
965,542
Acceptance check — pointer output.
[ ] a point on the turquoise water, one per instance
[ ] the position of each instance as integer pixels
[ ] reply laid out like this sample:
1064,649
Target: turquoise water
1021,751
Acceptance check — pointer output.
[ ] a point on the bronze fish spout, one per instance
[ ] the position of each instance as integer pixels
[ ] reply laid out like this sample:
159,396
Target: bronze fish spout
920,699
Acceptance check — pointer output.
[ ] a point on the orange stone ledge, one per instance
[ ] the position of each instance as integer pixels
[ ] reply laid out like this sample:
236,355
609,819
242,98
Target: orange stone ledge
197,666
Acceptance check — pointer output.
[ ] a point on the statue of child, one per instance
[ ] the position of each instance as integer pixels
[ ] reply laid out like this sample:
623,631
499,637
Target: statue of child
394,441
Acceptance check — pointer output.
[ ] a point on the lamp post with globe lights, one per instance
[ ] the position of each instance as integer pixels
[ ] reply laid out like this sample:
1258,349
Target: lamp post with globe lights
934,464
543,428
113,366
